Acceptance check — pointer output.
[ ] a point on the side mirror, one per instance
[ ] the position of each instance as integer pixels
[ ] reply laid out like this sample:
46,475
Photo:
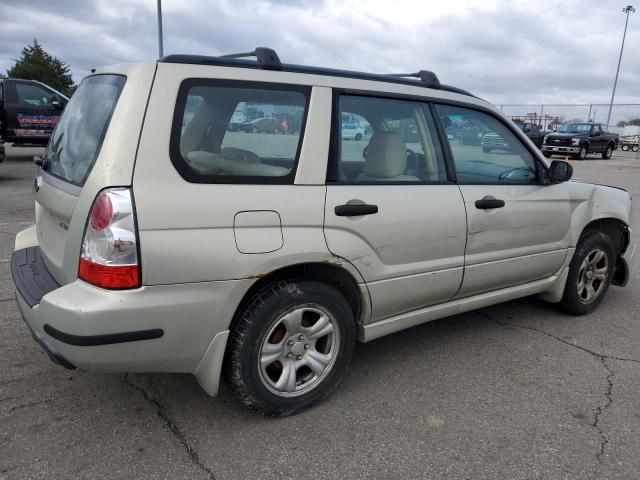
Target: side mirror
55,102
560,171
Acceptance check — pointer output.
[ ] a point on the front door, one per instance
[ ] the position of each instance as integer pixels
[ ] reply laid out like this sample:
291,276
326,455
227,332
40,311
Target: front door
518,227
395,214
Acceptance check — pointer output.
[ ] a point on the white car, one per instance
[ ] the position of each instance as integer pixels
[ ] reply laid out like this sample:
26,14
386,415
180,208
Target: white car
352,131
164,242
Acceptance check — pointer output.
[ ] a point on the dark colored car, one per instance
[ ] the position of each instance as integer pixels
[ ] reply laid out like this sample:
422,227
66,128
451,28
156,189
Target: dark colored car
262,125
29,111
579,139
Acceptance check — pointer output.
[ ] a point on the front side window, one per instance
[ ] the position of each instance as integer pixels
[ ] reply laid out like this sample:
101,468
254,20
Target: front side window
484,149
234,132
384,140
32,95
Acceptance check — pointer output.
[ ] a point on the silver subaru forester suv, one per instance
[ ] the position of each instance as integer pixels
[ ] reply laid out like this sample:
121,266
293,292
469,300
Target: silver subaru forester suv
170,236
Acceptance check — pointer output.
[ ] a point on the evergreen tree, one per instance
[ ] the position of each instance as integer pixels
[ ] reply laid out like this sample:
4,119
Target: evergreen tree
36,64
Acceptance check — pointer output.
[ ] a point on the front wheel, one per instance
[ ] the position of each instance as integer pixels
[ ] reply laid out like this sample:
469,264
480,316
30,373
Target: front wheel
290,346
358,136
590,273
582,154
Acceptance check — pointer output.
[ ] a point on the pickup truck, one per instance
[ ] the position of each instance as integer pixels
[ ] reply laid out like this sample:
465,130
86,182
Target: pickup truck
578,139
29,111
492,141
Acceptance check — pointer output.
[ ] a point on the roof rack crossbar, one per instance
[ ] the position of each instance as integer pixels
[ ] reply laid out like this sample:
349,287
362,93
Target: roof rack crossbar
427,77
267,57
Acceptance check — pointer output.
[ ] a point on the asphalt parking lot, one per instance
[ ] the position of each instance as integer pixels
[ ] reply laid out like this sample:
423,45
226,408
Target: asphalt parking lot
514,391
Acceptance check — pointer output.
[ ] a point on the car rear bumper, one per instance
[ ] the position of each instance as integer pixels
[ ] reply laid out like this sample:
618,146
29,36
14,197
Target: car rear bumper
554,149
163,328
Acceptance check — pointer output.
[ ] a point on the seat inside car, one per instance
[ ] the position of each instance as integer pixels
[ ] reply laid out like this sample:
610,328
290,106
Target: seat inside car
386,159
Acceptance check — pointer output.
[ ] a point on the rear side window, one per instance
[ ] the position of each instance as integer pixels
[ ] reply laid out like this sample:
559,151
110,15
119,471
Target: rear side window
77,139
237,132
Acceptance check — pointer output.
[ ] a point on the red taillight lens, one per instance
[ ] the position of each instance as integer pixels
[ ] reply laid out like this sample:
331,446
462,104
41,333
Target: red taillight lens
114,277
101,212
109,257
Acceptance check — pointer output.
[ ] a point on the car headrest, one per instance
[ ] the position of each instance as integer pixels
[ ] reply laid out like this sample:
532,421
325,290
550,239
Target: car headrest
386,155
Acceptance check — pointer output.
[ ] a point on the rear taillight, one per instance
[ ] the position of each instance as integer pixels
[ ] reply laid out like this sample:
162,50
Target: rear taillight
109,257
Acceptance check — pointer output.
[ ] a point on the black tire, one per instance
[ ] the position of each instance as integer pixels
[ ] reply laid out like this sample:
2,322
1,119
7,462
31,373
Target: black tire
625,148
572,301
258,318
634,148
486,149
606,155
546,154
582,154
358,136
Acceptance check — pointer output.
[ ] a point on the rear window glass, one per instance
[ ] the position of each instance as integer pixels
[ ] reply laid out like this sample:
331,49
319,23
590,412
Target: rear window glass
235,132
77,139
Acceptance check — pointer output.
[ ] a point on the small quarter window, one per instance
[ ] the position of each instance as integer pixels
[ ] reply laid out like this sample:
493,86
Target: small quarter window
235,132
484,149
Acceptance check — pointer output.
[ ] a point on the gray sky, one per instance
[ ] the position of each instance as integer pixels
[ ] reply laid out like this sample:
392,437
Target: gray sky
504,51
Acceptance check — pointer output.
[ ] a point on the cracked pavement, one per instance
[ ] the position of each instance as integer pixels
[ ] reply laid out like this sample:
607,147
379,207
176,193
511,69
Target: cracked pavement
517,390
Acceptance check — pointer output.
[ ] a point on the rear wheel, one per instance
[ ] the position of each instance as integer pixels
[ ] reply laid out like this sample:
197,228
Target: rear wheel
358,136
634,148
290,346
590,273
486,149
606,155
625,148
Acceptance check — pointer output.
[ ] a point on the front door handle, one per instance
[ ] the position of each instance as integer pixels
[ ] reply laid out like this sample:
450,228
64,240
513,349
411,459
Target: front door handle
355,209
489,202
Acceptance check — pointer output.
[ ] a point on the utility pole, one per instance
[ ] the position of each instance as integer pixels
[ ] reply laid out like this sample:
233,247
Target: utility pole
628,9
160,47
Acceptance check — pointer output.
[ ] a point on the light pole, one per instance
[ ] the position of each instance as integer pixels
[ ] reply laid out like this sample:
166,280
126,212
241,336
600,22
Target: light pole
628,9
160,48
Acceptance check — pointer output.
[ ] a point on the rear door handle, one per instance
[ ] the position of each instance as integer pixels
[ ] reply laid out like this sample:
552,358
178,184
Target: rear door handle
355,209
489,202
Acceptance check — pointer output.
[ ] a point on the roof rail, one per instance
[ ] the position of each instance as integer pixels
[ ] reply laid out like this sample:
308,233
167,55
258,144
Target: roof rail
427,77
267,57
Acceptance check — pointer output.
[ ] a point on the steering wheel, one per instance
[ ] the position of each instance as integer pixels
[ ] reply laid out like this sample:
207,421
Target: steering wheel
508,173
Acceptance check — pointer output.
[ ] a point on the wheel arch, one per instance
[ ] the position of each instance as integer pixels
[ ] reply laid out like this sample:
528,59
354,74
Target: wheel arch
329,272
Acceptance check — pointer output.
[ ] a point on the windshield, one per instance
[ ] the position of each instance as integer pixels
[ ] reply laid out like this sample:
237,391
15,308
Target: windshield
77,139
575,127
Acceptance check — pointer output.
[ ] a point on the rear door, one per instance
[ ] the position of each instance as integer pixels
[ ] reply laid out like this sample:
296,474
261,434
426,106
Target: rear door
518,226
395,214
28,111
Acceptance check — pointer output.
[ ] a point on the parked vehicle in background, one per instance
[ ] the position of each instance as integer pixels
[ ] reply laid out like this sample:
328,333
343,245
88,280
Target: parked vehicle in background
261,125
492,141
165,244
579,139
630,143
532,131
29,111
352,131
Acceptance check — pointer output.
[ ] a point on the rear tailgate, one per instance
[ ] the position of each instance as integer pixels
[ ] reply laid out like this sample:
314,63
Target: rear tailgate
93,147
